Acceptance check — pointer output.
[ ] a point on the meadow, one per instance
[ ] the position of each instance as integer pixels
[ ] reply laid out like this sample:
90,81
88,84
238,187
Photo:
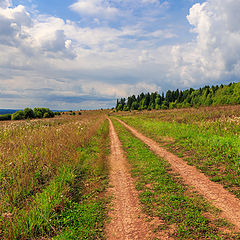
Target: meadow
184,214
207,137
52,173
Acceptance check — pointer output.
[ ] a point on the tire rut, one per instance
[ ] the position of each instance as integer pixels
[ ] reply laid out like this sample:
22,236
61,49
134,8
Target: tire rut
127,220
213,192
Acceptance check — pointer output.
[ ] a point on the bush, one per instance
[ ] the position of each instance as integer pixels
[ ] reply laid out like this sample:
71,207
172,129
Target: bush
79,113
5,117
28,113
46,115
40,112
19,115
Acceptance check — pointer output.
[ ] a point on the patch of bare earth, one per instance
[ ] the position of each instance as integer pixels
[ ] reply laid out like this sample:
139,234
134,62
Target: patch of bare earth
213,192
126,219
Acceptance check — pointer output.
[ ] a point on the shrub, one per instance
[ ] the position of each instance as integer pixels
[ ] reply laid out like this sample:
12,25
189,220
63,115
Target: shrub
79,113
46,115
28,113
5,117
40,112
19,115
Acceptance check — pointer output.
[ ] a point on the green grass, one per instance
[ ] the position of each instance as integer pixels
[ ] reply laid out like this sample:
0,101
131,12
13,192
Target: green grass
84,215
163,195
72,205
213,147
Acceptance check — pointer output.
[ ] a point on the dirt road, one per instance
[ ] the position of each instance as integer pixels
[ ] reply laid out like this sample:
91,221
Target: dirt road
213,192
127,221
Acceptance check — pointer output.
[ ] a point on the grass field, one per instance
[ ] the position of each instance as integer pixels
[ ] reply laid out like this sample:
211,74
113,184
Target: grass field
52,175
54,172
207,138
162,194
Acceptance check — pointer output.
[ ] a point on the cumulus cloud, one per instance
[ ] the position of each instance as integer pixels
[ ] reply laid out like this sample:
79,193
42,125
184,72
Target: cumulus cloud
58,63
12,24
5,3
44,35
215,52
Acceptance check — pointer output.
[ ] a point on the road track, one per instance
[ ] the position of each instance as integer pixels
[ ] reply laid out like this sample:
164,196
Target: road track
127,221
213,192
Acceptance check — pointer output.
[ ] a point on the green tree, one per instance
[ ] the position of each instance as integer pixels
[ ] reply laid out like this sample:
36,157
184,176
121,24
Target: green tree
28,113
135,106
19,115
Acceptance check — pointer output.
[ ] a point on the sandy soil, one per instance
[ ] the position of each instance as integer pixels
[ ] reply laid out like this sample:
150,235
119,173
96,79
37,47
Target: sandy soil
212,191
127,220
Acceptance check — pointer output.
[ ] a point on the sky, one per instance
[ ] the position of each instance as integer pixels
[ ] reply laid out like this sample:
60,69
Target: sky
84,54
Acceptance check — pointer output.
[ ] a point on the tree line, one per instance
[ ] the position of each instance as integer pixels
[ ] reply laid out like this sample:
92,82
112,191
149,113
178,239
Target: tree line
206,96
28,113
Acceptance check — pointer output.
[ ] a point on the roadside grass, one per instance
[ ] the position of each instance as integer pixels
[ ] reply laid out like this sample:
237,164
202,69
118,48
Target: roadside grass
84,214
53,176
163,195
208,140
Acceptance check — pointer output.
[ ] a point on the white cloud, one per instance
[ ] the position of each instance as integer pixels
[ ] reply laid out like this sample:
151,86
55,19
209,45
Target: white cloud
150,1
215,55
68,43
99,8
161,34
12,22
118,90
5,3
46,60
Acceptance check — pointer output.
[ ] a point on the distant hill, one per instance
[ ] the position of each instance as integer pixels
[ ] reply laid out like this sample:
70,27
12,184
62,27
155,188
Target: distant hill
206,96
11,111
8,111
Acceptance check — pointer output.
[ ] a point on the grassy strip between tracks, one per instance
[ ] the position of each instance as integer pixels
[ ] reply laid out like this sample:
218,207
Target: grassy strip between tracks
186,214
73,205
213,147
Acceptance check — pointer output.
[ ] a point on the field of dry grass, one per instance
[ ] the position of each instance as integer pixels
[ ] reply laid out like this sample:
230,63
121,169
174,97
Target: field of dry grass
33,155
54,172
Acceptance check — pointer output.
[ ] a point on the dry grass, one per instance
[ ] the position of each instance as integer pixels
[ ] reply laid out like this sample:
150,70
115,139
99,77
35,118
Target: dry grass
32,151
189,115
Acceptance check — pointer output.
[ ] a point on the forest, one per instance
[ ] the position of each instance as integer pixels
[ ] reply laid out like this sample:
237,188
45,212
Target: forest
206,96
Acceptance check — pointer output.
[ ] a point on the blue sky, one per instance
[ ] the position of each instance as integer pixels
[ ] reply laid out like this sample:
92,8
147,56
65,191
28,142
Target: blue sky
84,54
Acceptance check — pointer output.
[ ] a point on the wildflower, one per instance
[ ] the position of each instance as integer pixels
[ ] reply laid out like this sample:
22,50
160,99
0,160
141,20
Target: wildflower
7,215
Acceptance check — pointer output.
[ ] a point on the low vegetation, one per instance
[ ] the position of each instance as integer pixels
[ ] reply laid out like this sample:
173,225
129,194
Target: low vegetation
207,138
53,171
164,196
52,175
206,96
5,117
28,113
